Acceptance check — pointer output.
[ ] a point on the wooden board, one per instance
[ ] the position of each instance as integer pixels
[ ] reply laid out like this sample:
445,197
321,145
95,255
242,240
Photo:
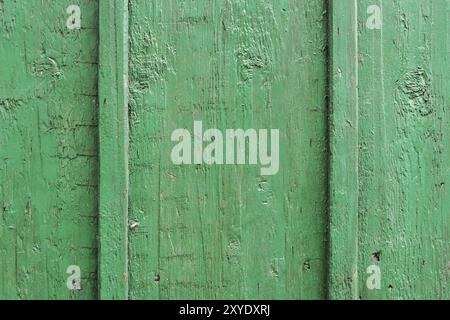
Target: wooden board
225,231
48,149
402,132
113,140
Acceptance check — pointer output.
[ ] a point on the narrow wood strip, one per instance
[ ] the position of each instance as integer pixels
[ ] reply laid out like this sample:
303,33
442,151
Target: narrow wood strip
113,139
343,250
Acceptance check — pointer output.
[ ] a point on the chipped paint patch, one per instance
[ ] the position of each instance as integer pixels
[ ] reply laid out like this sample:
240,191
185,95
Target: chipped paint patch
415,92
8,107
46,66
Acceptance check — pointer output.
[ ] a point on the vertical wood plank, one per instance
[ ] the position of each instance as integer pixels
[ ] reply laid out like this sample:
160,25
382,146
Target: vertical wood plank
113,128
404,134
48,150
225,231
344,150
389,201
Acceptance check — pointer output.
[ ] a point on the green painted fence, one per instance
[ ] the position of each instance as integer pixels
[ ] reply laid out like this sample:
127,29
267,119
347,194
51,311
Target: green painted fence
92,94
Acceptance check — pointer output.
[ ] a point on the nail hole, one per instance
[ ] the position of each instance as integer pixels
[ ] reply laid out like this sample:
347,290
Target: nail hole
376,256
306,266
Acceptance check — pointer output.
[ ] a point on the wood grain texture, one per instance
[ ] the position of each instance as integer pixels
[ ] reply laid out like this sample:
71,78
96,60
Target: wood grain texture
114,135
344,179
226,231
401,216
48,150
404,134
371,187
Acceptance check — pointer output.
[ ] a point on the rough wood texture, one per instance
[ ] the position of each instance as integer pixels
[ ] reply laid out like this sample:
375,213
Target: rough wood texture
343,195
48,150
402,217
199,231
114,135
225,231
404,189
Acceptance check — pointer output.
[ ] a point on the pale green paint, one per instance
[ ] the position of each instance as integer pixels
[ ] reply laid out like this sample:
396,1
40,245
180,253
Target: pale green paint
48,150
225,231
404,136
343,195
113,125
390,201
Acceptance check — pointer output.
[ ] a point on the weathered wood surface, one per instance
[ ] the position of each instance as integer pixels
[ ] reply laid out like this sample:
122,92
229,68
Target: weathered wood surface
343,175
402,222
225,231
48,149
113,139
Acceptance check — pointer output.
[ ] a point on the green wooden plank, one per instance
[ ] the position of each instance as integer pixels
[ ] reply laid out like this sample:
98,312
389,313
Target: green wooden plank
48,149
226,231
404,207
344,151
391,162
113,128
